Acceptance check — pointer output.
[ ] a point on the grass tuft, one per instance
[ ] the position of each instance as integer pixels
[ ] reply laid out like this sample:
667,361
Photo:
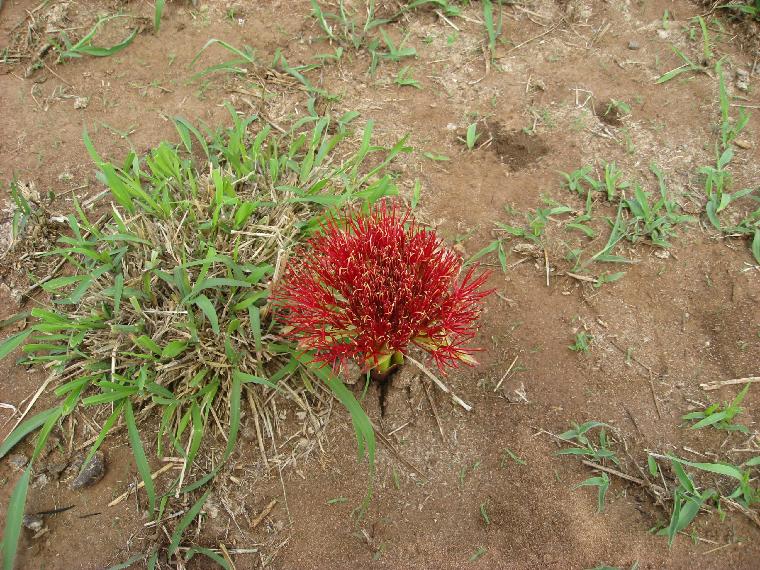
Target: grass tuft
161,307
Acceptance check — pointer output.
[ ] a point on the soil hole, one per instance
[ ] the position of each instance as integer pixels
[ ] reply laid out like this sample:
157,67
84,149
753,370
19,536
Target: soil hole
609,113
517,149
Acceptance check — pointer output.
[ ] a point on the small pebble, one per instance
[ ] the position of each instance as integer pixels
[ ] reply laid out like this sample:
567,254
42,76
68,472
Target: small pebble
33,522
41,481
248,433
742,74
663,34
742,86
55,469
742,143
18,461
92,473
633,45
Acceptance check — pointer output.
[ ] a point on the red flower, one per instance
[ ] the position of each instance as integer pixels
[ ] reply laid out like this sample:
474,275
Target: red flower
370,285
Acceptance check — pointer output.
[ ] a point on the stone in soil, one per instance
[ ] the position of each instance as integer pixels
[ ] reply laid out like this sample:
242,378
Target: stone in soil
33,522
18,461
92,473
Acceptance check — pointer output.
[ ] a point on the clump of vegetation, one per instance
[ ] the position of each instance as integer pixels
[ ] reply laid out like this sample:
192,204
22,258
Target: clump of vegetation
718,178
597,452
374,283
582,342
733,486
161,307
720,417
750,8
688,499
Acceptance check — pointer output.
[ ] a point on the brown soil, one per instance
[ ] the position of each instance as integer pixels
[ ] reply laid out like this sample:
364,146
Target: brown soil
688,318
517,149
608,113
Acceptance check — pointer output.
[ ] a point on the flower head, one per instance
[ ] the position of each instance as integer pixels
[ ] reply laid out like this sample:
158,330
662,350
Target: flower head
372,284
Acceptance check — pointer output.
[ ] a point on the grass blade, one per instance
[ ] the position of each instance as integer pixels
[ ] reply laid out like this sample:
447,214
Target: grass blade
208,553
25,429
157,16
139,454
13,342
205,305
14,518
189,517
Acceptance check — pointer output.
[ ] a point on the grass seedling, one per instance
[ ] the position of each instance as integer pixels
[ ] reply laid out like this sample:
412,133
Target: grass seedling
720,417
751,8
718,178
279,62
22,211
85,46
580,181
478,554
686,67
707,53
729,129
688,500
613,181
617,233
404,78
495,246
435,157
484,514
351,29
653,220
717,183
509,455
537,222
603,483
608,278
580,222
157,14
598,452
325,57
493,28
582,342
621,107
246,56
390,53
472,136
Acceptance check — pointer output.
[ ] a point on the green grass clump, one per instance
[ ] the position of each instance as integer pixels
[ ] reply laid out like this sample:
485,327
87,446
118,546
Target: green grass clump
85,46
718,178
161,307
582,342
689,499
720,417
359,25
749,8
